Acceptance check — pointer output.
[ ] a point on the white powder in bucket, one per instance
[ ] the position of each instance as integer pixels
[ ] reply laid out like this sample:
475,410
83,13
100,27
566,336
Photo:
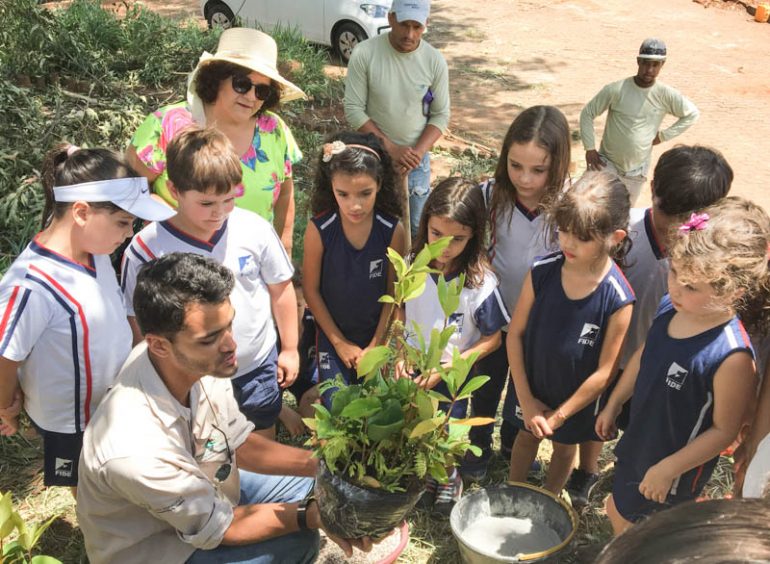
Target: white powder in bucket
509,536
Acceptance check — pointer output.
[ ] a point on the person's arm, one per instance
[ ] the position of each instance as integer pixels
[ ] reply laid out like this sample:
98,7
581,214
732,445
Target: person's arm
398,244
686,111
283,214
403,156
139,166
605,421
10,397
597,382
734,388
530,405
759,429
264,456
594,108
348,352
284,304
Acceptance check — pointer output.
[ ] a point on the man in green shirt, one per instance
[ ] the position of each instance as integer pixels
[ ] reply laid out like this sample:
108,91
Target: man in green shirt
397,88
635,108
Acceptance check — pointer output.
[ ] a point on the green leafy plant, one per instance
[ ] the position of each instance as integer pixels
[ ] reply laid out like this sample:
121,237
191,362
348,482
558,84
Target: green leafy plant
386,432
19,550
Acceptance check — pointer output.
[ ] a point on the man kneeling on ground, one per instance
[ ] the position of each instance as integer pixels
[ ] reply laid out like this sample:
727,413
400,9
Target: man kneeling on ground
168,467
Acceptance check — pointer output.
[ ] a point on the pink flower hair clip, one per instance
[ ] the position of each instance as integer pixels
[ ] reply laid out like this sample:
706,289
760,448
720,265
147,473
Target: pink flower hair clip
697,222
331,149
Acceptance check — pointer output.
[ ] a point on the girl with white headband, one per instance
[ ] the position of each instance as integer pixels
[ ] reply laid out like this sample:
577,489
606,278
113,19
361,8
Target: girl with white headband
63,328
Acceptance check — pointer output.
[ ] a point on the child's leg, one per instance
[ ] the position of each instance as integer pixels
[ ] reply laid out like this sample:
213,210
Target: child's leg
562,461
589,456
522,455
619,524
292,421
485,400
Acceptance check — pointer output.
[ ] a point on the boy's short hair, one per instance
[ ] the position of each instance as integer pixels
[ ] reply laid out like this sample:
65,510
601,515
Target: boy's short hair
690,177
203,159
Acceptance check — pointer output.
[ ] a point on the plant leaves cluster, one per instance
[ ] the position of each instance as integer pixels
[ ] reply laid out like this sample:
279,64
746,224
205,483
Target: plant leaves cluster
387,432
18,538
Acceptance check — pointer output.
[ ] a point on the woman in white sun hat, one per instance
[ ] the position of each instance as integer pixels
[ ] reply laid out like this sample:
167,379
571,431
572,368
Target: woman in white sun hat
234,90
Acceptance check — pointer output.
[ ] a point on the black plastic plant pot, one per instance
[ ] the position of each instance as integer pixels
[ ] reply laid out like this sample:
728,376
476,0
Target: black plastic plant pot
351,511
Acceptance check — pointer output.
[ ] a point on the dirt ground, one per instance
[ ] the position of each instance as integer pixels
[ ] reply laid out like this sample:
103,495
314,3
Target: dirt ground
506,55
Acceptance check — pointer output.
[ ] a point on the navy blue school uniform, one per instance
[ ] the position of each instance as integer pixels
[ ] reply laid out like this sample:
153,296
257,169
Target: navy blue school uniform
673,403
308,374
352,281
563,341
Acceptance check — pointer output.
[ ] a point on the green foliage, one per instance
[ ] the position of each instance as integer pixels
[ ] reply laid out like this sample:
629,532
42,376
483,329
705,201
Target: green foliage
388,432
19,550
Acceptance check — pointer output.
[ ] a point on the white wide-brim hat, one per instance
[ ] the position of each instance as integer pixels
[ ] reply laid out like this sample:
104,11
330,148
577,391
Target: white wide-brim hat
248,48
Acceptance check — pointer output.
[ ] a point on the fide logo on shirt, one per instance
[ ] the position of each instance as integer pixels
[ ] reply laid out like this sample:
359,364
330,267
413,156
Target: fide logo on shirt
376,268
63,467
676,376
588,334
456,319
323,361
247,266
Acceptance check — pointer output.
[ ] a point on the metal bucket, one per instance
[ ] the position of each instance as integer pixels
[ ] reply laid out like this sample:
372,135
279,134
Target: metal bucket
518,500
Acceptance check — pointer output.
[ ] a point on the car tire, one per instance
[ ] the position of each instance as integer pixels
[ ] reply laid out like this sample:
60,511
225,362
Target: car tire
346,37
219,15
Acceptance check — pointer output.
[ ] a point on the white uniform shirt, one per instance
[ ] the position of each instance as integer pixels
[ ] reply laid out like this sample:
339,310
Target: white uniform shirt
66,324
647,271
146,487
517,240
481,312
246,244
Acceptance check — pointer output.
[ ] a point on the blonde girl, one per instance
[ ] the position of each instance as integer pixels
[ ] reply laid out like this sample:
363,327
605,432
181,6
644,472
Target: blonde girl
694,378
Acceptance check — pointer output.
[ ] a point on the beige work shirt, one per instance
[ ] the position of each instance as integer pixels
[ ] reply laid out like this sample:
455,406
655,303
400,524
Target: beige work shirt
146,486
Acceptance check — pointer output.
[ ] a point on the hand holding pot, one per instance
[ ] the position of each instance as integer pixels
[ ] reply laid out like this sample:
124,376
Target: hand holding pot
314,521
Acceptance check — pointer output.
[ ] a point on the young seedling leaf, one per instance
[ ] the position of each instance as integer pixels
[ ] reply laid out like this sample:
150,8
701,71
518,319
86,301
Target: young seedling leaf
373,360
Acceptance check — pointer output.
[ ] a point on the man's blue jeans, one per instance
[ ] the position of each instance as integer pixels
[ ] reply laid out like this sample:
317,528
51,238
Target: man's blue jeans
300,547
419,188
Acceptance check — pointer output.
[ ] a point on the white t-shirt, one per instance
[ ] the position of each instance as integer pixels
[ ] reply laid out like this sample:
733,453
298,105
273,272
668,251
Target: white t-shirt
647,271
517,240
246,244
66,324
481,312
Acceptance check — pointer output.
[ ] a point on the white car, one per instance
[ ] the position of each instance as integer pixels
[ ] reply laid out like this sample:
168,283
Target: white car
341,24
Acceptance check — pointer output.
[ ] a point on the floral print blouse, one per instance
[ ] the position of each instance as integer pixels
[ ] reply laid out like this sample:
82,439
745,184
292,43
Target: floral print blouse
266,164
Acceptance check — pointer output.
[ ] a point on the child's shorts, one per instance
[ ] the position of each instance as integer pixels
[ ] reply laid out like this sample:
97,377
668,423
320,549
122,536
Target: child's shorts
633,506
61,453
577,429
258,394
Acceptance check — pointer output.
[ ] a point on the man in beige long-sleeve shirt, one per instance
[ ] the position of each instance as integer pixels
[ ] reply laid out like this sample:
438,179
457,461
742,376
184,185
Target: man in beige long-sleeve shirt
397,88
636,107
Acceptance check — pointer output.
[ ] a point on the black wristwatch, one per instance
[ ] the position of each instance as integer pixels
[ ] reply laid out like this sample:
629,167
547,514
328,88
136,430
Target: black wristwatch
302,512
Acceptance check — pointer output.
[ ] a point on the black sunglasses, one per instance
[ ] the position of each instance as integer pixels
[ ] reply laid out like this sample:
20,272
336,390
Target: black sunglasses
223,472
242,84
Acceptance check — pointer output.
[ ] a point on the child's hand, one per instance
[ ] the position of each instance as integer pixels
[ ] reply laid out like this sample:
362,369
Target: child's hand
540,427
531,409
9,416
605,423
292,421
657,482
428,381
288,367
554,419
402,370
8,426
348,353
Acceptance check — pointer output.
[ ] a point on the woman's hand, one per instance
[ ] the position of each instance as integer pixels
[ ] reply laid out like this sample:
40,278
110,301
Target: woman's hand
348,353
531,409
657,482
